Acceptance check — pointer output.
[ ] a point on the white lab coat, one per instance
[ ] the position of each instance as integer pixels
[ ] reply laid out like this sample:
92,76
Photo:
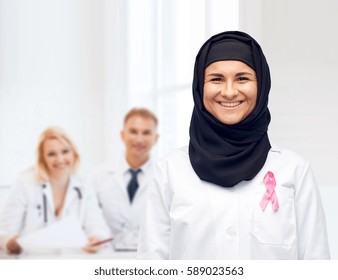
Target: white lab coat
186,218
22,212
110,182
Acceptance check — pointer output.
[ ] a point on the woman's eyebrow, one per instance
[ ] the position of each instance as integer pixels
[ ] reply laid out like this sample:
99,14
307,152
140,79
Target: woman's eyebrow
237,74
243,73
215,74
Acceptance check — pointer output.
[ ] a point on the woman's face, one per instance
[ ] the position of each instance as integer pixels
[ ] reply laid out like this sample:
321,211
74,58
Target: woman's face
59,157
230,90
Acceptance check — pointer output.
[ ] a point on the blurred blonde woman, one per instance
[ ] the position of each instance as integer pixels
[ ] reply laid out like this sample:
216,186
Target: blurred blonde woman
48,192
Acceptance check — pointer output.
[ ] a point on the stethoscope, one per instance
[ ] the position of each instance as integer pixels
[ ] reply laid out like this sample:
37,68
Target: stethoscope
44,201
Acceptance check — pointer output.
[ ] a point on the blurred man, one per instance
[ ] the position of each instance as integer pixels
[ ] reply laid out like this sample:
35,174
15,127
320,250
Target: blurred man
121,187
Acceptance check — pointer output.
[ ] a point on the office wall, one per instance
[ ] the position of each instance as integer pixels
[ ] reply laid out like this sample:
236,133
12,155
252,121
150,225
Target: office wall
40,74
58,68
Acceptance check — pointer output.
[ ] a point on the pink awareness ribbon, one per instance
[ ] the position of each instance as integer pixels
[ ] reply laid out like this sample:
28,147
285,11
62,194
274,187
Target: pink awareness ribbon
270,184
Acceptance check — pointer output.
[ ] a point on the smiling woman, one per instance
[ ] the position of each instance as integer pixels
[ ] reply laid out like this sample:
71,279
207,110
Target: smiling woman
56,155
231,194
49,192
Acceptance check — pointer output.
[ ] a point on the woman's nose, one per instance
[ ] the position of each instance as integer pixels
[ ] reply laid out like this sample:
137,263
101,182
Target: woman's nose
59,158
229,91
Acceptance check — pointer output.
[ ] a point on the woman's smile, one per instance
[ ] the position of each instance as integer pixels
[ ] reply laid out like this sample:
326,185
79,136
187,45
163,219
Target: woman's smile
230,105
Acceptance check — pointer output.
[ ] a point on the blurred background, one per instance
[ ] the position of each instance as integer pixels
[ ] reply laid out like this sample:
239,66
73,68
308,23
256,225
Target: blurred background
82,64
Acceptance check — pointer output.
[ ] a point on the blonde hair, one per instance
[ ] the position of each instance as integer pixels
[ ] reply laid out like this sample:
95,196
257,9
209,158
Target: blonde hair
53,133
142,112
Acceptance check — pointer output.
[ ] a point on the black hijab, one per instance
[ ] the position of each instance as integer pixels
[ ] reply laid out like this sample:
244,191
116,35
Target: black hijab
228,154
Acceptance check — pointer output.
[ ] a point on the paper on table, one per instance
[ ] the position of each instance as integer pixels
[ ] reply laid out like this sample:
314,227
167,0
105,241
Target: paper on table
66,233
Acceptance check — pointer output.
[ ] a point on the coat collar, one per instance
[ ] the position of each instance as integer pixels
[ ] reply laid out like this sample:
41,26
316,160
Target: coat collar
122,166
74,192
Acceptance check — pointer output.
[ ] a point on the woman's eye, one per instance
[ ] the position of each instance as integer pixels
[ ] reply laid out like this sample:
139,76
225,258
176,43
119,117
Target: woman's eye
241,79
65,151
51,154
216,80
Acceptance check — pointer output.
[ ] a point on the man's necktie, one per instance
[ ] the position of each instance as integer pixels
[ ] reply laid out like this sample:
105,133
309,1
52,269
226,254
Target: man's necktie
133,184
